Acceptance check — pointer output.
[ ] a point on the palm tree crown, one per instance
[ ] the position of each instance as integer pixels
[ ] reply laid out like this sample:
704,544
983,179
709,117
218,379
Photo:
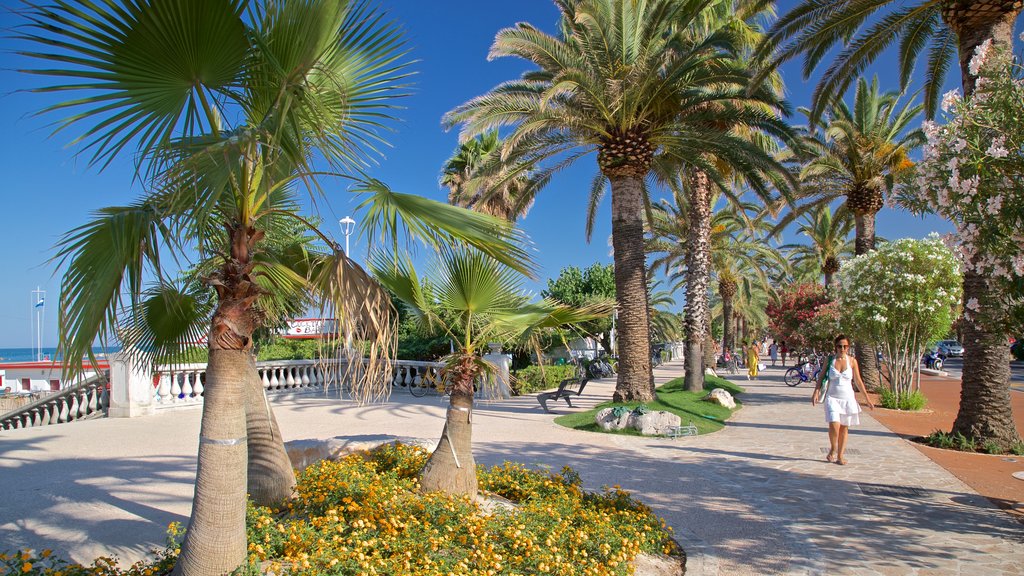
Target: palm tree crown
830,242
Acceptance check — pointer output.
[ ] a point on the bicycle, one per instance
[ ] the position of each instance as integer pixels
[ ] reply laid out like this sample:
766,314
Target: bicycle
435,380
802,373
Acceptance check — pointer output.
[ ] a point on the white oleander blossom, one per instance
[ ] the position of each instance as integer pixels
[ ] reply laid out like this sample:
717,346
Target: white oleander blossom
950,99
997,149
979,58
970,173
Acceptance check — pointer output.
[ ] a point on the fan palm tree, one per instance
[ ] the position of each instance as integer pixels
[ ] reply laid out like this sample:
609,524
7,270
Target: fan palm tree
474,300
830,242
226,104
860,153
615,80
476,178
949,30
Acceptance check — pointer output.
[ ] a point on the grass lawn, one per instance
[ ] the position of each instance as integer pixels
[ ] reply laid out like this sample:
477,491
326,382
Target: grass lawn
672,397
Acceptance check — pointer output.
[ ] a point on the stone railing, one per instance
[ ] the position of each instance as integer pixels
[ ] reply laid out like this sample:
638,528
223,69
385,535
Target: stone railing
88,399
183,385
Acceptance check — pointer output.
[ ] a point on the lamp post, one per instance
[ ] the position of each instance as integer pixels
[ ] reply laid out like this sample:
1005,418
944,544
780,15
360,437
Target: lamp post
347,224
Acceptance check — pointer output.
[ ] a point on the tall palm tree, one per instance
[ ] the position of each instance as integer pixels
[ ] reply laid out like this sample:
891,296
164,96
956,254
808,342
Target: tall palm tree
830,242
478,179
473,299
950,30
226,105
860,153
615,80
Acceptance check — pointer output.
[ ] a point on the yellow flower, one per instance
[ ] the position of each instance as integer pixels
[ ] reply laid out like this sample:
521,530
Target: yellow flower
26,567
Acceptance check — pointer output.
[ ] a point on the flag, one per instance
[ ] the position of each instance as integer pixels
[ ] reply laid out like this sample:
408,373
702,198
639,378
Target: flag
41,301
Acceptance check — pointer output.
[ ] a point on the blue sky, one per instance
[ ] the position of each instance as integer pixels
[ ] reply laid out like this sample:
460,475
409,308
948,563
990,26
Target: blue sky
47,191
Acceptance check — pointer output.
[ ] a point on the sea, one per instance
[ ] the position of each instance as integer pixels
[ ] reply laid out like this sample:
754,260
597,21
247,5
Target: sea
29,354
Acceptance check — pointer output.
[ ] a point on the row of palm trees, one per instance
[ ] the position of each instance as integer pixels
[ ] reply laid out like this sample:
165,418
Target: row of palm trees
232,109
687,95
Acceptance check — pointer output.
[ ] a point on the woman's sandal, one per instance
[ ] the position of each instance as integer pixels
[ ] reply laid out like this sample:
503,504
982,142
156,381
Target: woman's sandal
831,457
841,461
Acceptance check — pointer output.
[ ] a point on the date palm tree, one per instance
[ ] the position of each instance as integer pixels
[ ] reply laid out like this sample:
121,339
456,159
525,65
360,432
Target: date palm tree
949,30
860,153
628,80
830,243
474,300
476,178
231,109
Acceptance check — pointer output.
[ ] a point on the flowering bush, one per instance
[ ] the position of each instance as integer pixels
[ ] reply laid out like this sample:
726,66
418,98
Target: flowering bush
972,173
901,296
795,318
364,515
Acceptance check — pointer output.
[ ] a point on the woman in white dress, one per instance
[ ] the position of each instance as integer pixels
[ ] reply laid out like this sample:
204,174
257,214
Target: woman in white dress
841,407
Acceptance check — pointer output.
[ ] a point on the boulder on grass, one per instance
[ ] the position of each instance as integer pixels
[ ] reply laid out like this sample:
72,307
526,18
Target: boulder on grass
304,452
722,397
656,423
607,419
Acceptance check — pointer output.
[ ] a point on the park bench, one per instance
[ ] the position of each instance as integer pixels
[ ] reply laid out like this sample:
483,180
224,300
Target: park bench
566,389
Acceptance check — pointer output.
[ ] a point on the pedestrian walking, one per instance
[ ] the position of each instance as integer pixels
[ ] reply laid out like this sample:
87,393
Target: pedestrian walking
783,350
753,356
835,391
773,352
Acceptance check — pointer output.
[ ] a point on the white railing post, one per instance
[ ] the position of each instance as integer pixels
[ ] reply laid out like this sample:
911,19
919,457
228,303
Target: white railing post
131,388
499,382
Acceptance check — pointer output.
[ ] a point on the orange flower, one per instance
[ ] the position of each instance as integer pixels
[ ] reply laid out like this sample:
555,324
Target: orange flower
26,567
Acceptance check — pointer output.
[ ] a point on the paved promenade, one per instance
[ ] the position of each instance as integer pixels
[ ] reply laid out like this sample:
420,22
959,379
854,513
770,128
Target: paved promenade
755,498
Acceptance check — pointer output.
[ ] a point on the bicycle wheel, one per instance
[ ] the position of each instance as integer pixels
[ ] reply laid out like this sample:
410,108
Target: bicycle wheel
793,377
425,385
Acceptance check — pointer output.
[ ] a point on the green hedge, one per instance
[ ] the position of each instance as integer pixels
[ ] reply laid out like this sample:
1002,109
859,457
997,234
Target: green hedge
530,380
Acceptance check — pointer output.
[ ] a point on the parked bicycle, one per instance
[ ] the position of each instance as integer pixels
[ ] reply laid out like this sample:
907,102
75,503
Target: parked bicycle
805,372
434,381
601,367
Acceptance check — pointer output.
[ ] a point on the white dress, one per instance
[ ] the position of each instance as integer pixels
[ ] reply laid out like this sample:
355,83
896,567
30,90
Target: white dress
840,403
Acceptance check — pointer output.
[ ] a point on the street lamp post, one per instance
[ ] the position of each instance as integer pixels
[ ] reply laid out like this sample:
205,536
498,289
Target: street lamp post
347,224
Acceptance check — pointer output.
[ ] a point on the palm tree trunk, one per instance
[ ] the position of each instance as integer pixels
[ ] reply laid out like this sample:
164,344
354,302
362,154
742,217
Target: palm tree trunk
728,336
215,542
634,381
985,412
451,468
271,478
698,277
867,356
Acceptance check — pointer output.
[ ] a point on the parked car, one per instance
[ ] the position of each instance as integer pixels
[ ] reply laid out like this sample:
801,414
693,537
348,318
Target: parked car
950,348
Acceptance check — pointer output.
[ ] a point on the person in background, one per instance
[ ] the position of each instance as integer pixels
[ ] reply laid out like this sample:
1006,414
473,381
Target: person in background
783,350
841,407
773,352
753,357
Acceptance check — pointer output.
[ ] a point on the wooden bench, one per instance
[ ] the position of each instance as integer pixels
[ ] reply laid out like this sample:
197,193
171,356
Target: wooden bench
566,389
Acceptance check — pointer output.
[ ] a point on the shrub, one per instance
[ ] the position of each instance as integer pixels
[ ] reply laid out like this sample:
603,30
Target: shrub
908,401
530,379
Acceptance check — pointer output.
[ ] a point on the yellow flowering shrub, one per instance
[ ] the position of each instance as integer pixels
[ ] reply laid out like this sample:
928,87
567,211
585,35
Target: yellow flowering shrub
363,514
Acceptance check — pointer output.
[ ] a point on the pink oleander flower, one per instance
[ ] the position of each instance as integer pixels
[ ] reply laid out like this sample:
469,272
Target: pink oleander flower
980,55
997,149
950,99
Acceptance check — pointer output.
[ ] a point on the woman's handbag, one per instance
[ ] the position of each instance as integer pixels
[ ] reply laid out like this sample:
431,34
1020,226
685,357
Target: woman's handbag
823,389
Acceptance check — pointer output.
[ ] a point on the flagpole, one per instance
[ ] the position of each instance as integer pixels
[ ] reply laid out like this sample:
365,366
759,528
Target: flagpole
39,307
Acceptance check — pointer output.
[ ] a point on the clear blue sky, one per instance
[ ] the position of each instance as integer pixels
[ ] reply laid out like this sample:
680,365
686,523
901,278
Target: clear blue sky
46,191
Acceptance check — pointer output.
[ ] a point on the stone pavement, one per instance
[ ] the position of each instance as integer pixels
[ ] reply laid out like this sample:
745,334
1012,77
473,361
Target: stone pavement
755,498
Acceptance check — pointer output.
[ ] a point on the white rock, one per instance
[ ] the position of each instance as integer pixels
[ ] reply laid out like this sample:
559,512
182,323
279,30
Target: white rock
656,423
304,452
721,396
658,565
607,420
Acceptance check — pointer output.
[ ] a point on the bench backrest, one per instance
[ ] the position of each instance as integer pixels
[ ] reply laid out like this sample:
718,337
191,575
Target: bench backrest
571,386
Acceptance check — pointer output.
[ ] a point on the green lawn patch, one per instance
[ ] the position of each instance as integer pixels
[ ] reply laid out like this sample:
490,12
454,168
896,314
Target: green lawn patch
672,397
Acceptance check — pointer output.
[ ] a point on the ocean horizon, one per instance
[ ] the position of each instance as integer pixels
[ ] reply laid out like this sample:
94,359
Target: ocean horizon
29,354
